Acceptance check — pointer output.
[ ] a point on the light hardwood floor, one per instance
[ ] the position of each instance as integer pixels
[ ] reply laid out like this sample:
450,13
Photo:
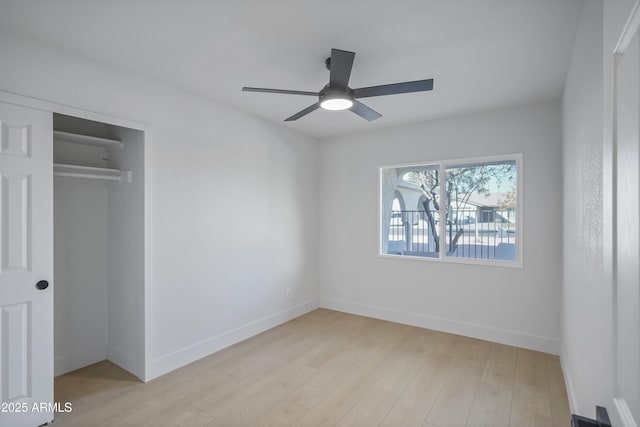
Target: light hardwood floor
330,368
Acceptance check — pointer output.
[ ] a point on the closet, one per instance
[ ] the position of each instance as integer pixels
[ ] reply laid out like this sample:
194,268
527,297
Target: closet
98,244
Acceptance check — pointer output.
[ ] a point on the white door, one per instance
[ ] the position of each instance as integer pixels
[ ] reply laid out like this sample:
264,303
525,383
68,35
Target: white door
627,231
26,258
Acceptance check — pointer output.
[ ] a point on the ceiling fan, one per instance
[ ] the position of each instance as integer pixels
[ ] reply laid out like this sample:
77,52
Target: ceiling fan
337,95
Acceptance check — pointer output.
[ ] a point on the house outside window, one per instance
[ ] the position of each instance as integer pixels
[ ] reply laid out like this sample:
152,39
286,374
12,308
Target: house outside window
480,200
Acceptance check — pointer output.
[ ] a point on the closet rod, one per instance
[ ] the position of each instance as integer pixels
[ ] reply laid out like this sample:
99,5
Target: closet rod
87,175
78,171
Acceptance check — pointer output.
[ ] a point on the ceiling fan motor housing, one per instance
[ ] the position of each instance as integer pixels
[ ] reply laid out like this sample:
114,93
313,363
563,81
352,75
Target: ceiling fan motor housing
335,98
329,92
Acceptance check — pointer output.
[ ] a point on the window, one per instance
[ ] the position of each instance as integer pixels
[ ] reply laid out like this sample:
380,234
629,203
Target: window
479,200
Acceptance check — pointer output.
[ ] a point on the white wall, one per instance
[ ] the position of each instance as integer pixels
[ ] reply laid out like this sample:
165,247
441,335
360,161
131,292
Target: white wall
233,202
126,253
585,314
80,273
510,305
589,347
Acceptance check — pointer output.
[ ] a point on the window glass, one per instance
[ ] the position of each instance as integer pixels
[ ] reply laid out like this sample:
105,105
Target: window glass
477,198
481,211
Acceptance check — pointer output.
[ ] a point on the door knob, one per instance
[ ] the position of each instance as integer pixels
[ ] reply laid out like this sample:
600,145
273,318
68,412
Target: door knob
42,284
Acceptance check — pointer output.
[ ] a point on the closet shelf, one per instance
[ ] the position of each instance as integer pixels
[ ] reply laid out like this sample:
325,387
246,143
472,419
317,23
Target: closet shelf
77,171
59,136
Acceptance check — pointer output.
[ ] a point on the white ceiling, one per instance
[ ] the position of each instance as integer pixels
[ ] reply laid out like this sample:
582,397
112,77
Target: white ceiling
483,54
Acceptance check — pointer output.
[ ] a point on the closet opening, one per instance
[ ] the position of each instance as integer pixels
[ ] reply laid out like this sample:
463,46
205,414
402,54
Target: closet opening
98,245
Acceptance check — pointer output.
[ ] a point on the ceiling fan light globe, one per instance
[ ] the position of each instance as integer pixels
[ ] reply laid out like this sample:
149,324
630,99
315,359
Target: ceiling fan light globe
336,104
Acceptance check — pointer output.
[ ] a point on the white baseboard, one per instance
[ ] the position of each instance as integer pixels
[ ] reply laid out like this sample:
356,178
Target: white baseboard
78,359
126,360
624,413
177,359
571,394
488,333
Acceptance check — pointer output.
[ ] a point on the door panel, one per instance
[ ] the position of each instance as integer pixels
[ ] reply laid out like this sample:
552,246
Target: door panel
15,321
26,257
16,140
15,222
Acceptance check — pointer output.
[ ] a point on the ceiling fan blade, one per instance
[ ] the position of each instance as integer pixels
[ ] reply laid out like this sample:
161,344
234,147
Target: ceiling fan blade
284,91
303,113
365,112
395,88
340,68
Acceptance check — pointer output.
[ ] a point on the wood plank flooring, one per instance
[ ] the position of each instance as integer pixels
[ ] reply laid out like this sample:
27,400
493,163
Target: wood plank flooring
331,369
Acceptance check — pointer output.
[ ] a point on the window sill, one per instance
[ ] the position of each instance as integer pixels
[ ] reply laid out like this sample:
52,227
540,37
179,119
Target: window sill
454,260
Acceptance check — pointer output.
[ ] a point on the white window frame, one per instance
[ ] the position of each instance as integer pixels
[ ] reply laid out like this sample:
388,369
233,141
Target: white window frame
443,165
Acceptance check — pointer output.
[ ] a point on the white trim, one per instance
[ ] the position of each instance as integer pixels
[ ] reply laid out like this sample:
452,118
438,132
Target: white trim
148,254
79,359
53,107
571,395
126,360
442,165
456,162
442,226
169,362
624,413
44,105
629,30
473,330
456,260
